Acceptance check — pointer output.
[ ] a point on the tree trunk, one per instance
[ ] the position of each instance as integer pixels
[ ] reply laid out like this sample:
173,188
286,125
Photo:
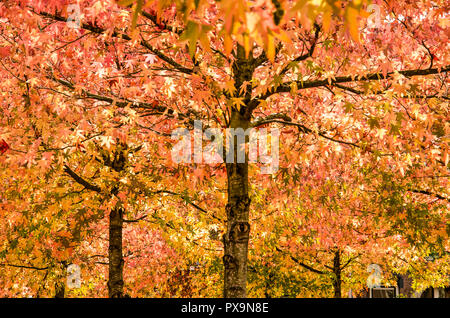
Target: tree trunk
60,285
337,275
237,209
115,280
115,255
60,289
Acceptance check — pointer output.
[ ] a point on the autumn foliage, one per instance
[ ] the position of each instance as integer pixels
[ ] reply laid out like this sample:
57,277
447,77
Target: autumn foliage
92,90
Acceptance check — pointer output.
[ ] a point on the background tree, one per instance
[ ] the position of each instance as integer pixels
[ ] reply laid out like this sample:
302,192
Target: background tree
304,65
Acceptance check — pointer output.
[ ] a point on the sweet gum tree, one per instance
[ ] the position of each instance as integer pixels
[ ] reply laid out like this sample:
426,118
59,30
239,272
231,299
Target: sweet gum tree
113,84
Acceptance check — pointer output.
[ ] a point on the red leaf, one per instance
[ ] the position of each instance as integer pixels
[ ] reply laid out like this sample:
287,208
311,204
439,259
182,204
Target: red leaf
3,147
5,51
113,82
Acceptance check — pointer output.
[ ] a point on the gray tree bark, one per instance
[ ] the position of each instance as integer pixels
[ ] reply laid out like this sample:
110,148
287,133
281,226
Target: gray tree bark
116,262
337,280
237,209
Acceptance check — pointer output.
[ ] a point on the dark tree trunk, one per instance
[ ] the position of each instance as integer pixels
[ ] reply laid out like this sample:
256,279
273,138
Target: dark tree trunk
115,281
337,282
115,255
238,228
237,209
115,160
60,285
60,289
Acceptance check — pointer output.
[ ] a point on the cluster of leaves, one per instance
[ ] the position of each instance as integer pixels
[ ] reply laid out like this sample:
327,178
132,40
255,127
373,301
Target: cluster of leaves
364,150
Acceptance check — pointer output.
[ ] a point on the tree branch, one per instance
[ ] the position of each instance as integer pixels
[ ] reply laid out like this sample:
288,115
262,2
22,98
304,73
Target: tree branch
270,118
120,102
188,201
81,181
185,198
429,193
304,56
262,58
359,92
98,30
286,87
25,266
160,24
348,262
305,129
301,263
135,220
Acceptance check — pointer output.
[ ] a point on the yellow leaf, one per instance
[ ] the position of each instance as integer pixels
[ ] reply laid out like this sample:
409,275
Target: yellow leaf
253,19
270,47
204,40
228,44
283,36
238,102
326,20
294,88
230,86
365,14
125,3
352,22
262,103
445,157
136,12
299,5
246,44
191,34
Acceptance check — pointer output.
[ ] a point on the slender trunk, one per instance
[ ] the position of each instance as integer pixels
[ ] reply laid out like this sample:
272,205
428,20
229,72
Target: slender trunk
268,286
337,274
115,281
115,255
60,289
237,209
60,285
237,235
